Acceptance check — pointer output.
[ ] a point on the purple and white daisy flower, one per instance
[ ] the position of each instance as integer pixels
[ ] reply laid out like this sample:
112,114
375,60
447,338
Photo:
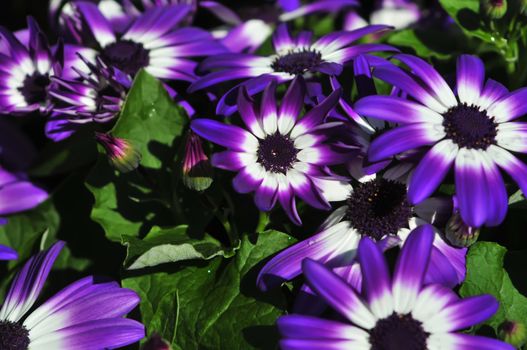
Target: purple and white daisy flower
86,315
26,64
471,130
153,42
377,207
293,56
399,312
281,155
96,96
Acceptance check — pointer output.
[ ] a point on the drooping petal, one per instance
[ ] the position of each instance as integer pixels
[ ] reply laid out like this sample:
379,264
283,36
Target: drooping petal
288,263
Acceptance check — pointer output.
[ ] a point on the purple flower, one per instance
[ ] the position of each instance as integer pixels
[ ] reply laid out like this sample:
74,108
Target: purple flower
293,56
281,155
152,42
85,315
376,208
26,64
96,96
472,130
399,312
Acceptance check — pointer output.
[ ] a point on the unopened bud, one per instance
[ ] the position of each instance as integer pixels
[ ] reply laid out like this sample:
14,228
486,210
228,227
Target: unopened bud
197,171
460,234
495,9
513,332
122,155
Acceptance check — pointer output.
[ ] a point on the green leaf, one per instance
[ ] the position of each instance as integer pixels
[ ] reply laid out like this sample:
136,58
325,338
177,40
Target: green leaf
131,204
424,43
219,305
467,15
486,275
170,245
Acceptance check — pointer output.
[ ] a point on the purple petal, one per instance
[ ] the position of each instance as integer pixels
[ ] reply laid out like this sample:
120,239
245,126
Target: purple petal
96,23
268,111
282,40
248,179
463,314
431,77
431,171
347,54
248,113
292,104
376,282
317,344
315,116
492,91
288,263
230,160
471,187
286,197
19,196
470,77
411,267
395,109
440,271
28,283
307,327
303,187
512,165
108,333
455,256
497,193
267,193
399,78
337,293
229,136
473,342
7,253
510,106
403,138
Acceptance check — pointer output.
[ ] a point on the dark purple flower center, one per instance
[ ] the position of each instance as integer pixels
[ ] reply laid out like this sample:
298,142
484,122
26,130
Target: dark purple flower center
13,336
277,153
35,88
378,207
297,62
470,127
398,332
126,55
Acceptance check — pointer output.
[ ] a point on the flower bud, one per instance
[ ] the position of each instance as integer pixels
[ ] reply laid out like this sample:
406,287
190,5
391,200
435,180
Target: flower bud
495,9
197,171
122,155
460,234
513,332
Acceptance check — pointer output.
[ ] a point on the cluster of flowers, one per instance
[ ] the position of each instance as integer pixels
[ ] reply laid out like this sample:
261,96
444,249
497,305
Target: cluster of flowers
397,148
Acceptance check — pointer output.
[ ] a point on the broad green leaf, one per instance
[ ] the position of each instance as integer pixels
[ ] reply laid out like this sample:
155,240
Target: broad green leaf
170,245
131,204
219,305
486,275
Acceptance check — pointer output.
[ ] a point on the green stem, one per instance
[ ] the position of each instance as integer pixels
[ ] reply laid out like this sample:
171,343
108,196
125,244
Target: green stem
263,221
